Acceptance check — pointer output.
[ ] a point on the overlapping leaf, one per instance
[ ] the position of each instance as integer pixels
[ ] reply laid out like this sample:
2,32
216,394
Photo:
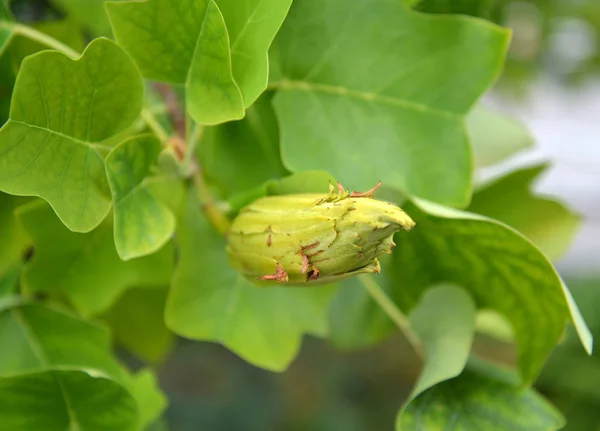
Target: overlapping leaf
48,148
369,108
137,324
217,49
210,301
240,155
444,320
495,136
85,267
501,269
143,224
548,223
484,397
56,373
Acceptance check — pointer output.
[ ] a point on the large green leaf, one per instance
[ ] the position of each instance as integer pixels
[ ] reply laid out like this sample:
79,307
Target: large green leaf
48,148
243,154
388,107
500,268
143,224
549,224
137,324
85,267
220,55
210,301
484,397
495,137
56,373
14,239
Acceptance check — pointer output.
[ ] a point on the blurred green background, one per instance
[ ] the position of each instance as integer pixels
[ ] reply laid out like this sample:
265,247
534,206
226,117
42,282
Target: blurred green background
552,83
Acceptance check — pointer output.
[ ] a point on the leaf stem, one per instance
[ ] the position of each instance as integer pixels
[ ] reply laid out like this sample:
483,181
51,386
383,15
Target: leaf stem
192,142
44,39
153,123
394,313
212,212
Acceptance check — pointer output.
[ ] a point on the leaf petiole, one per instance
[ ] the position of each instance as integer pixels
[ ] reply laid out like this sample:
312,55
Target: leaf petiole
394,313
38,36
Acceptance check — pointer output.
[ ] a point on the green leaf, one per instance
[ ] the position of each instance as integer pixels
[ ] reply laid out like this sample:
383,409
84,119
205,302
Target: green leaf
137,323
61,400
240,155
14,239
48,147
548,223
445,322
210,301
143,224
501,269
87,13
85,267
484,397
151,401
495,136
397,114
252,25
219,56
56,373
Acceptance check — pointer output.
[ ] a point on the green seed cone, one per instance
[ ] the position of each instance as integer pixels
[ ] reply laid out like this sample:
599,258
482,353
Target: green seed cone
313,238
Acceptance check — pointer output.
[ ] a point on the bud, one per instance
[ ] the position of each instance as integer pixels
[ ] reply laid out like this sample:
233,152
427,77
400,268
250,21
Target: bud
313,238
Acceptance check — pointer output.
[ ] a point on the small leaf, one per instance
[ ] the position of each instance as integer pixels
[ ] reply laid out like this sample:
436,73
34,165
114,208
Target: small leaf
484,397
495,136
143,224
85,267
150,400
220,57
241,155
14,239
392,116
252,25
212,94
548,223
445,322
136,322
210,301
47,148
